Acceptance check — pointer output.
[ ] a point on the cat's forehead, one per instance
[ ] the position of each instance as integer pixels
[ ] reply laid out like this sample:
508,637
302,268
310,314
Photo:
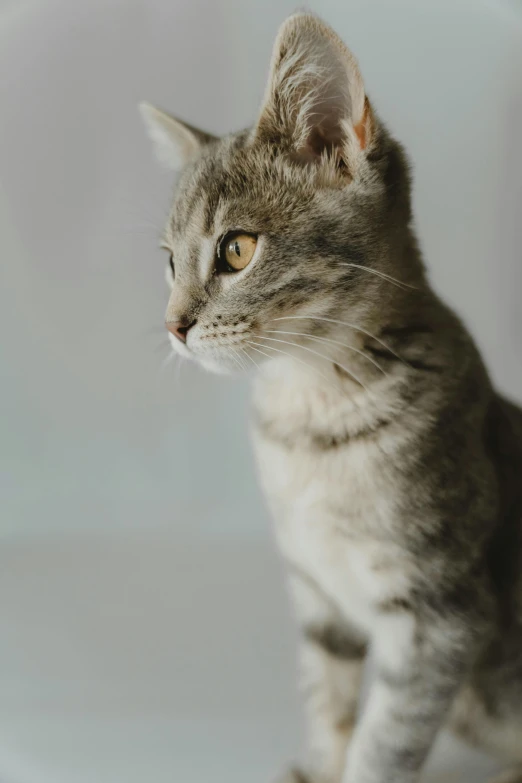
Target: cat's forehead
234,186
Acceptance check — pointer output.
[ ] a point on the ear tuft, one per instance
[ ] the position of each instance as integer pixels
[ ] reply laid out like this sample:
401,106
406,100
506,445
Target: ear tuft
315,103
176,143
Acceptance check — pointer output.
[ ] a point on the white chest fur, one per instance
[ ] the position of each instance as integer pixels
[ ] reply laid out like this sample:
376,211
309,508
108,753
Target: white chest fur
334,516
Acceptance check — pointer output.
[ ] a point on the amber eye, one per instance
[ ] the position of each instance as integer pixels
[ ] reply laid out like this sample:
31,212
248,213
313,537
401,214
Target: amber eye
236,251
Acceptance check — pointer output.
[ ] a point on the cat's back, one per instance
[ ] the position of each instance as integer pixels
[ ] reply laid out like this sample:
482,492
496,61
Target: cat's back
503,438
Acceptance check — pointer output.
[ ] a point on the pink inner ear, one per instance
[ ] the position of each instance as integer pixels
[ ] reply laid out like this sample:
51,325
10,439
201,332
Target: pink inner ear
361,129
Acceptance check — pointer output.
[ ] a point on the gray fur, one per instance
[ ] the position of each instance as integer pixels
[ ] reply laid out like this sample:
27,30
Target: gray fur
392,466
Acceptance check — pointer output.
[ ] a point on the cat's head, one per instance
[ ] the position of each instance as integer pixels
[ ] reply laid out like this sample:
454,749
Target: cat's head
271,228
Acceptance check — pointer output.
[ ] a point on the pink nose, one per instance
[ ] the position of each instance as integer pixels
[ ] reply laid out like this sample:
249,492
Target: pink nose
179,329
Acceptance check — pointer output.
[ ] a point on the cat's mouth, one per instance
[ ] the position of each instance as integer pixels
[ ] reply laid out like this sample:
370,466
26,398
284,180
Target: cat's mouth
226,346
217,347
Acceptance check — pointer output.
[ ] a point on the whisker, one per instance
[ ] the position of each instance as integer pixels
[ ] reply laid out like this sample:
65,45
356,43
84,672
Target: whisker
335,342
236,358
251,358
384,276
244,356
321,356
253,346
166,362
244,366
341,323
296,359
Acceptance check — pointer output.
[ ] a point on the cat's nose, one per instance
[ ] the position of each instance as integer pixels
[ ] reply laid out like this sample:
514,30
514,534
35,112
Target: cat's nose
179,329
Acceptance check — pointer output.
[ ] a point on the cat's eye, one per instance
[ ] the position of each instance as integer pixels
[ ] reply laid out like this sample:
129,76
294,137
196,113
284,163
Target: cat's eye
236,251
171,264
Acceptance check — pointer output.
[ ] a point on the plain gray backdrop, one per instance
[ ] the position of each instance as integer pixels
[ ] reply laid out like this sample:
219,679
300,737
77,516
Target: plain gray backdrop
145,635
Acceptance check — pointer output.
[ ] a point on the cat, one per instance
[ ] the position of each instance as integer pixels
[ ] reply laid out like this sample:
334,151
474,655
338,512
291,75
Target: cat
392,467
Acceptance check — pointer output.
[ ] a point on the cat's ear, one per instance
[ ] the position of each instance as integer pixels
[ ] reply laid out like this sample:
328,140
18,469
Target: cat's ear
175,142
315,102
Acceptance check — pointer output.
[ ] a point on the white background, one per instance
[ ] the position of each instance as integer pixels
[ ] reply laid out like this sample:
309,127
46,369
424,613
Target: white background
144,630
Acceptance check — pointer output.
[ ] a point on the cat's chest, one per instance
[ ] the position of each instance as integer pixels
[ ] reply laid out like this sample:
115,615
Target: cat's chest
357,570
335,515
334,523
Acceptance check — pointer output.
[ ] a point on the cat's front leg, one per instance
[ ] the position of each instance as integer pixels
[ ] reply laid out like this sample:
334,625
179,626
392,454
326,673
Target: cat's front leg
331,674
332,654
421,662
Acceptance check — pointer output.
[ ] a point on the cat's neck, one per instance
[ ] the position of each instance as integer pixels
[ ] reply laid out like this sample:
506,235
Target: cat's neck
358,374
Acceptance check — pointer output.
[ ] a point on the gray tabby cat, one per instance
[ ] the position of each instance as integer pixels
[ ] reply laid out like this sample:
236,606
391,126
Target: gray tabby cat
393,468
